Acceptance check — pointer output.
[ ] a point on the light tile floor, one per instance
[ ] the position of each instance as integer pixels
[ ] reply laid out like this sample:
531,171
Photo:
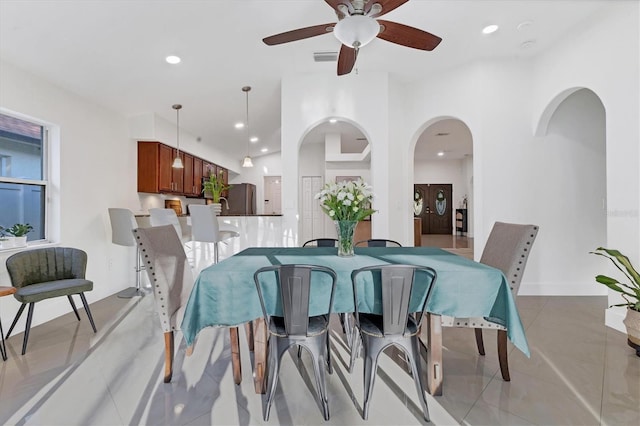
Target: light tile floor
580,372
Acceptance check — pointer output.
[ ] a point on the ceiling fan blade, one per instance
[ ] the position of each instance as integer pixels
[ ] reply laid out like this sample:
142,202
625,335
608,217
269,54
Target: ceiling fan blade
299,34
407,36
346,60
387,6
335,6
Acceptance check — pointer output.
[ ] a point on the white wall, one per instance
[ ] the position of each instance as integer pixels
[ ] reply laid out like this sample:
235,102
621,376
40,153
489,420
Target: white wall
310,99
612,74
94,167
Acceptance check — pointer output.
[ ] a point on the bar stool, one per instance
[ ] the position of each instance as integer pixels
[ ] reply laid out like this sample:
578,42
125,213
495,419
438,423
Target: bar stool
4,291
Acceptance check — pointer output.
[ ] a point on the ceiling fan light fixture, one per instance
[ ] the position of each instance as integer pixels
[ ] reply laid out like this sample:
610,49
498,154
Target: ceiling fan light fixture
356,31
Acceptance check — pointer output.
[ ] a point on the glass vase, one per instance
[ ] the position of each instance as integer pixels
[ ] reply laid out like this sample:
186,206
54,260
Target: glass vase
346,230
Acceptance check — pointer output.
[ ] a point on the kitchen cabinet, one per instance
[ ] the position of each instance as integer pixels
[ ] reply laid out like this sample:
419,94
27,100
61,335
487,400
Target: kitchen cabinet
187,175
197,176
156,174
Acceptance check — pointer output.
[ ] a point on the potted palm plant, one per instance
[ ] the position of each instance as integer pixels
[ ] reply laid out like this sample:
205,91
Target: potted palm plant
19,231
630,292
214,187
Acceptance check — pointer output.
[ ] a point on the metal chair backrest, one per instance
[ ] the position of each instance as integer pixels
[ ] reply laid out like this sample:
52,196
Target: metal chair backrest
396,286
204,223
293,283
508,248
378,242
168,271
160,217
122,223
321,242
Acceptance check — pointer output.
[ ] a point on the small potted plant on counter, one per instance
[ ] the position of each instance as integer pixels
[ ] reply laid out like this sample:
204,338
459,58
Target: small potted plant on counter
630,292
213,189
19,231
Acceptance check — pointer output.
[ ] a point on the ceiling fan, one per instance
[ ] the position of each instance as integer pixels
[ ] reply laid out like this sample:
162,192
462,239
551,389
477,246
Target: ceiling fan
357,25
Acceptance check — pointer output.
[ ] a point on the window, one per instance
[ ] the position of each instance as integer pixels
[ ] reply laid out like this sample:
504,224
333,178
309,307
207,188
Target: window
23,174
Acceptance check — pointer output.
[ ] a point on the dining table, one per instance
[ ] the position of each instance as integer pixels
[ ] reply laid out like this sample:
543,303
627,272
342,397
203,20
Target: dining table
224,294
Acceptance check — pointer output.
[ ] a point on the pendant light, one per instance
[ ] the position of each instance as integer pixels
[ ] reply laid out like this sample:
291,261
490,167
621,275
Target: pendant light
177,162
247,160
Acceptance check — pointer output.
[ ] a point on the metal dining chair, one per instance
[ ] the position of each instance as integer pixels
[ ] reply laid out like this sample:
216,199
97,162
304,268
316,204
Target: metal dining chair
507,248
397,285
321,242
377,242
294,325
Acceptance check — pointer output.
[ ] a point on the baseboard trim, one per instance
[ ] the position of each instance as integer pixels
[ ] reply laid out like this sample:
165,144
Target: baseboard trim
562,289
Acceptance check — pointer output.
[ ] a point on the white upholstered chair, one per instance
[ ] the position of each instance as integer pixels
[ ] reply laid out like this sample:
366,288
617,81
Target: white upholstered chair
507,249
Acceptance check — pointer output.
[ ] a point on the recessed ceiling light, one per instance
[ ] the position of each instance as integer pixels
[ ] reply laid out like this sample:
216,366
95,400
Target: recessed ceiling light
490,29
264,150
440,154
239,125
172,59
254,139
528,44
333,121
524,25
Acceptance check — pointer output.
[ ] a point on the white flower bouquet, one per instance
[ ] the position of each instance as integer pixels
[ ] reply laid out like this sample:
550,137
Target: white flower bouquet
346,200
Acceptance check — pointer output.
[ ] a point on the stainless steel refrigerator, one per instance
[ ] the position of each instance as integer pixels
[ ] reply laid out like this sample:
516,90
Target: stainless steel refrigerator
241,200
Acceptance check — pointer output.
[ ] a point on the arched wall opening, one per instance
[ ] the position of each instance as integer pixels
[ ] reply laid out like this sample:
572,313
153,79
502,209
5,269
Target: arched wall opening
331,149
570,191
442,154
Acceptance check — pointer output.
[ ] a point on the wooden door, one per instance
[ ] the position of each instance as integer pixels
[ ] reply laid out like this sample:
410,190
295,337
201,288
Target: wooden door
436,214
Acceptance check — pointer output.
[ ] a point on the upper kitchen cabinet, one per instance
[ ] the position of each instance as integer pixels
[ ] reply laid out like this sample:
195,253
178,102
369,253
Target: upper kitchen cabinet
156,174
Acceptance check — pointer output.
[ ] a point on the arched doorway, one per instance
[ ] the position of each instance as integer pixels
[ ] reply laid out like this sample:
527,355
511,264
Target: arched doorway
569,198
332,150
443,184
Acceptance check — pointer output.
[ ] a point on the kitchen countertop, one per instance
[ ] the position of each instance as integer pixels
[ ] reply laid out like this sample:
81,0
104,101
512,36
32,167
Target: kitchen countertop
224,215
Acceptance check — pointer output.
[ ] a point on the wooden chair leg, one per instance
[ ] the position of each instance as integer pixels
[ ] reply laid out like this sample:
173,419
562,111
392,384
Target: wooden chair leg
248,328
235,355
479,341
502,355
168,356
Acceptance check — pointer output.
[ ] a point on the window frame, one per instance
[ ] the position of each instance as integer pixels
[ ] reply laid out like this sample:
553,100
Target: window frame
45,182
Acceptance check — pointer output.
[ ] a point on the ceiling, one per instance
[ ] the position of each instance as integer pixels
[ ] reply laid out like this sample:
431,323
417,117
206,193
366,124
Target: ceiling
112,52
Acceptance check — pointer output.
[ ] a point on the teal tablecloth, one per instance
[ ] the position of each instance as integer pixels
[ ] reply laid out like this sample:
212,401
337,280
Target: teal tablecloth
224,294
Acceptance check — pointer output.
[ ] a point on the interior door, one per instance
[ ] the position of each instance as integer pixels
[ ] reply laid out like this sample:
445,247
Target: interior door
272,195
436,212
